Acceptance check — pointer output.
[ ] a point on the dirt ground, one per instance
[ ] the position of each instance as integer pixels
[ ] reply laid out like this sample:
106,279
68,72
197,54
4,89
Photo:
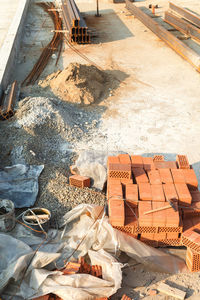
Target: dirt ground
154,109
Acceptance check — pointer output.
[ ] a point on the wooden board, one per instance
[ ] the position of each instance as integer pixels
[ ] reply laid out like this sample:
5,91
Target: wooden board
171,291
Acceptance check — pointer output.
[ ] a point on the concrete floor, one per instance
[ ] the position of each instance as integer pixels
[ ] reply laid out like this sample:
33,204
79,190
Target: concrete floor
156,108
7,13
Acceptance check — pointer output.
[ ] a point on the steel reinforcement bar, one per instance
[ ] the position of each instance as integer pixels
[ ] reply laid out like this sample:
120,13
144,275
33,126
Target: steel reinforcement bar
54,45
182,49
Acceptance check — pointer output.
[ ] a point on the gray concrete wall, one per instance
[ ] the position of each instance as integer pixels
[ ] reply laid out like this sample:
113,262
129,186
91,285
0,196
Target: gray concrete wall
11,45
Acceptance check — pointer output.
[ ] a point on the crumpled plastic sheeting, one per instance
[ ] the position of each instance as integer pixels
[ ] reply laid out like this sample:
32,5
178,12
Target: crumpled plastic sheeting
14,255
89,235
19,183
94,165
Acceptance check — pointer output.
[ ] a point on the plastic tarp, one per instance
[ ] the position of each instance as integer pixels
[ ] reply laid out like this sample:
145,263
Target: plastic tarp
83,230
19,183
94,165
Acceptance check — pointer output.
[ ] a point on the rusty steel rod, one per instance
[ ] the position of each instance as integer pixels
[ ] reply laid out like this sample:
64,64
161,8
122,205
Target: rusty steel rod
54,45
182,49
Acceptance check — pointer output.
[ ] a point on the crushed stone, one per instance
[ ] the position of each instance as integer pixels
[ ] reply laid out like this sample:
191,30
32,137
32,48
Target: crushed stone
46,131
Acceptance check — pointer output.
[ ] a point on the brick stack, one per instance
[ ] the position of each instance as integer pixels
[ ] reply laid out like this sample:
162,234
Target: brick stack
137,185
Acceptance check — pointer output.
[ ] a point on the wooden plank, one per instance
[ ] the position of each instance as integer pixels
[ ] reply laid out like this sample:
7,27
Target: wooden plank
171,291
188,15
182,49
182,25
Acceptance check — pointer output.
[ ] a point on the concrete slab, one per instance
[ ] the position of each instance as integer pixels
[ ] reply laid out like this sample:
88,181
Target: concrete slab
7,13
12,16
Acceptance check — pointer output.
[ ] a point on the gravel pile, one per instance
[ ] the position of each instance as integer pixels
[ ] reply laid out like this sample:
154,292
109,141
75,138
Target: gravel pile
46,131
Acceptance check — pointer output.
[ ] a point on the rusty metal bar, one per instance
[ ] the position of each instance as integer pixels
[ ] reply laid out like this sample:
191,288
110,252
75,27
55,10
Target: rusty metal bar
74,22
54,44
182,49
188,15
182,25
9,100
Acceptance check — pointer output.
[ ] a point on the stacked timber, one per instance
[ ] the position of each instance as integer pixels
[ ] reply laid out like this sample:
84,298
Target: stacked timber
77,30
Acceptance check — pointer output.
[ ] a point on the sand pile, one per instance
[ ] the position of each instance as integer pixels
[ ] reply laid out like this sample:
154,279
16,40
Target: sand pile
81,84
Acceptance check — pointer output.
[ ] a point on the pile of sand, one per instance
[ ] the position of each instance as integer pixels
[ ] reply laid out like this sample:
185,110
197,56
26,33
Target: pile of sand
81,84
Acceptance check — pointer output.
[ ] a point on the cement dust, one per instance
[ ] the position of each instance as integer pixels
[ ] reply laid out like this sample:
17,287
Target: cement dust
81,84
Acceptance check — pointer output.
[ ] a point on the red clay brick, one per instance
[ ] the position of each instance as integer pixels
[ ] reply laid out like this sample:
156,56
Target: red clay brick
172,235
125,297
159,217
192,260
187,224
116,213
170,192
158,158
190,179
71,268
96,271
124,159
192,210
125,182
178,176
140,175
160,236
145,191
183,194
115,190
136,161
195,196
131,193
145,220
79,181
148,163
173,218
191,238
154,177
165,164
157,192
182,162
113,160
119,171
165,176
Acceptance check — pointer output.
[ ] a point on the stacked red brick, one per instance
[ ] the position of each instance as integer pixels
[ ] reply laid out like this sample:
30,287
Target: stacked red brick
151,185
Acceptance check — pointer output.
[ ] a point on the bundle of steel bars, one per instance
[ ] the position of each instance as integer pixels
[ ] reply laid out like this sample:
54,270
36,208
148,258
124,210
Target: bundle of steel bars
54,45
77,30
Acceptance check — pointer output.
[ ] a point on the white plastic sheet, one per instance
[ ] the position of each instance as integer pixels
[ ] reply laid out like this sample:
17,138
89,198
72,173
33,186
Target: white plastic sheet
88,235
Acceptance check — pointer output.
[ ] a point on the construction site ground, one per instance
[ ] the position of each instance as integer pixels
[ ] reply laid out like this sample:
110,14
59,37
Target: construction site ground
153,109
